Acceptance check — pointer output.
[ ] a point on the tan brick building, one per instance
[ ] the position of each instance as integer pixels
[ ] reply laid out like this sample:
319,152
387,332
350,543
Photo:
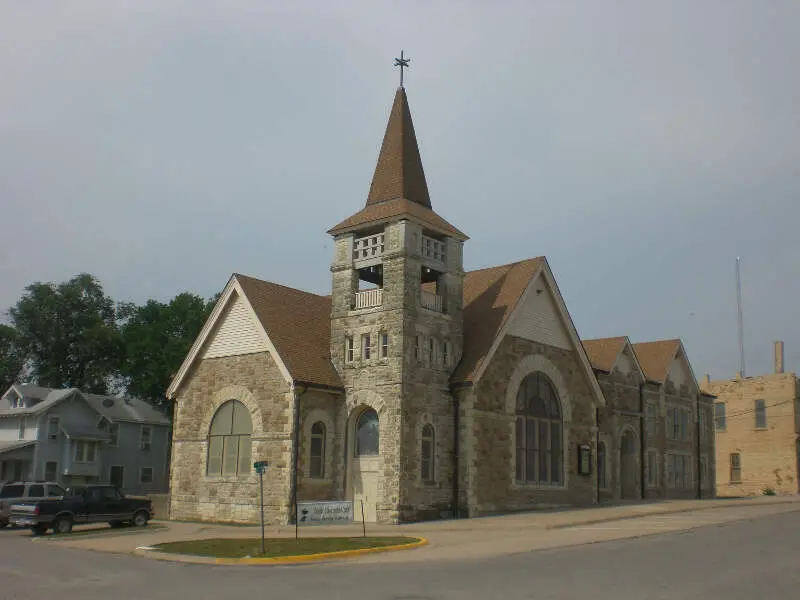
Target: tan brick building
417,388
757,422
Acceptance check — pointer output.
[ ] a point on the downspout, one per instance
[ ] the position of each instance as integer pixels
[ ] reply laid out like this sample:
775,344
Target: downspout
643,442
605,456
295,451
699,460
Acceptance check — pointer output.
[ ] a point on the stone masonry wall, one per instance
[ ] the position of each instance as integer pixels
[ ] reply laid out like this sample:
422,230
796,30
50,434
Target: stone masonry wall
331,411
769,457
493,488
255,381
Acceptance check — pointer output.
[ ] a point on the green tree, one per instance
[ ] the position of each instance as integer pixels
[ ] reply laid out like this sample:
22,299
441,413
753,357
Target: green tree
12,359
69,333
157,338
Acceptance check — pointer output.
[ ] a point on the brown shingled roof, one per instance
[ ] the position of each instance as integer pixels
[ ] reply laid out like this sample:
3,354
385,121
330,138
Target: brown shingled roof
655,357
299,325
490,296
603,352
399,172
376,213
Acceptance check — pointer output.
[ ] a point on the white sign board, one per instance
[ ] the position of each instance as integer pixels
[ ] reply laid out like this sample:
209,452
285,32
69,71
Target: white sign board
324,513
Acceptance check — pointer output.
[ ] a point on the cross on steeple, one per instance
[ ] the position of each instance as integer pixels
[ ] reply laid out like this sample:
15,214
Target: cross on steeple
403,64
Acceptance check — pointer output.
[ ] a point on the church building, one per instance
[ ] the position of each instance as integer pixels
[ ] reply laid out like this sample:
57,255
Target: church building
416,388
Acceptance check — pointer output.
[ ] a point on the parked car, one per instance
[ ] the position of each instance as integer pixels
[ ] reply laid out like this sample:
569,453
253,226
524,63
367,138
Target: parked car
82,505
24,491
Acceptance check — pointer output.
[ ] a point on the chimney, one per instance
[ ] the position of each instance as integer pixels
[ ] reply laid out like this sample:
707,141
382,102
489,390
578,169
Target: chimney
779,356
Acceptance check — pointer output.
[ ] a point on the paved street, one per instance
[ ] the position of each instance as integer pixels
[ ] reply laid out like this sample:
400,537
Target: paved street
756,557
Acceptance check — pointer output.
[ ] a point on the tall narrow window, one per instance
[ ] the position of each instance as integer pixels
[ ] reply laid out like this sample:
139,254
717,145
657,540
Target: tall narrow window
428,453
684,428
602,480
538,432
145,438
719,416
366,348
52,428
317,450
736,468
349,350
418,348
445,353
384,345
229,440
650,419
761,414
113,433
652,469
431,350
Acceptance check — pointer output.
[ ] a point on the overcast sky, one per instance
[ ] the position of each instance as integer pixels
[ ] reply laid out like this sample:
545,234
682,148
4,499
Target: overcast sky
641,146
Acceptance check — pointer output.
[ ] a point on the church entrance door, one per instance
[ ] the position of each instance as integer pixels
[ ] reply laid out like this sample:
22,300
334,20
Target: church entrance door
365,468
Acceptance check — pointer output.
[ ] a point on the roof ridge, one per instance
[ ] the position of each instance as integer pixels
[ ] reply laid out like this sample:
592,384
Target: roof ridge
280,285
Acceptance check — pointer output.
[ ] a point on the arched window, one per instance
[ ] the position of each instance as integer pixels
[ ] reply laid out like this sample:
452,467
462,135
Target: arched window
538,432
428,453
229,440
602,465
367,434
317,450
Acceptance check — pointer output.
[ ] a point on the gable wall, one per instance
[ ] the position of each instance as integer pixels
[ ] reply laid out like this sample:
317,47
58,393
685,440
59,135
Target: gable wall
491,480
255,380
237,332
538,319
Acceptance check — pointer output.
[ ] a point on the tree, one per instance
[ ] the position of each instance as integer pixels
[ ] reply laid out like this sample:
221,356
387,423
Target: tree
12,359
157,338
69,333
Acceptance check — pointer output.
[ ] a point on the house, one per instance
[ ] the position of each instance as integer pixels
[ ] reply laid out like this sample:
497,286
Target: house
72,437
417,390
757,423
656,410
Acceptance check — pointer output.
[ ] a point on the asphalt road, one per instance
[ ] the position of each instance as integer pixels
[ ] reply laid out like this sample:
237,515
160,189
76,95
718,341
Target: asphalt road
758,558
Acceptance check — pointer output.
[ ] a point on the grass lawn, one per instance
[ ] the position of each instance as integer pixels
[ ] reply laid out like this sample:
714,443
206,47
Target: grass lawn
244,548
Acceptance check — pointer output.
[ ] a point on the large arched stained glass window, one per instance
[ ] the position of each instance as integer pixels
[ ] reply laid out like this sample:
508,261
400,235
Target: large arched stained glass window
229,440
367,433
538,432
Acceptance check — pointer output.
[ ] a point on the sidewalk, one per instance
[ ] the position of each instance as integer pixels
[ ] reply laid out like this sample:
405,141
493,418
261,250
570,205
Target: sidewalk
486,536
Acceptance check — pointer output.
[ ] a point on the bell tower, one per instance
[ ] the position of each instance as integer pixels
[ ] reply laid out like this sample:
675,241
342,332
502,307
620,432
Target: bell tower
397,328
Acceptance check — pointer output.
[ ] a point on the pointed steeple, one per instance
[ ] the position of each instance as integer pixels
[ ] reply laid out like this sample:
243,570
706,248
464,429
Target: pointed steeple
399,172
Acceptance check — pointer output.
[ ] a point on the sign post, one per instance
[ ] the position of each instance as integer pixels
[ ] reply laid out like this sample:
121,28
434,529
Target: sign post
261,466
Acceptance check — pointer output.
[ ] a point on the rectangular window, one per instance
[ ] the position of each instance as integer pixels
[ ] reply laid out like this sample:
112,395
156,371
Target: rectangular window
431,350
349,349
52,428
50,471
146,475
719,416
670,470
684,429
736,468
366,348
384,345
445,353
761,414
84,451
22,428
145,439
113,433
418,348
650,420
652,469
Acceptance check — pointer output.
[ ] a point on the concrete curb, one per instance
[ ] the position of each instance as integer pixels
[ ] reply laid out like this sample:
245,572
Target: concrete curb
277,560
673,511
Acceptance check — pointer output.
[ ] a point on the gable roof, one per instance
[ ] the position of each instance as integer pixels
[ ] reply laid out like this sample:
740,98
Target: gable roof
299,325
126,409
47,398
656,357
490,296
399,172
603,352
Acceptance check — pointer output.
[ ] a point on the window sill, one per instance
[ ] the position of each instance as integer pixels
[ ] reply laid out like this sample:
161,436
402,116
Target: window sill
523,485
249,478
760,428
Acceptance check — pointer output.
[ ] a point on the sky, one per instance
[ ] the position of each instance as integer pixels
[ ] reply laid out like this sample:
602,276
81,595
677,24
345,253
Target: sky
162,145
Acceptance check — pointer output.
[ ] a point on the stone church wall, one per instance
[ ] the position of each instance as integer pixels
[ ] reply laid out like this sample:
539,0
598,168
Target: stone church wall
254,380
491,462
331,411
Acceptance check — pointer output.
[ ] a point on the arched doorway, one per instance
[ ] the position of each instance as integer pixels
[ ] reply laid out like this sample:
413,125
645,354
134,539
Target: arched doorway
627,465
364,470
